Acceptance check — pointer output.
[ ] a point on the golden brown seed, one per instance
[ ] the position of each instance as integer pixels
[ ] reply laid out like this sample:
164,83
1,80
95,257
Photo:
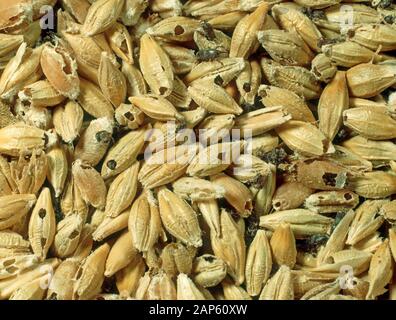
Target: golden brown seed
230,247
216,127
33,290
122,191
210,212
372,123
381,270
121,42
156,107
175,259
77,9
58,168
90,275
228,20
93,101
291,102
9,43
67,235
214,158
337,239
244,38
297,79
321,174
42,225
20,138
262,120
179,218
109,226
233,292
72,200
87,51
121,254
179,96
28,174
258,263
323,69
187,290
144,221
376,151
264,194
16,264
283,245
303,222
127,279
220,71
304,138
135,82
208,270
280,286
236,194
366,221
377,184
348,54
166,165
102,15
249,80
374,36
286,47
61,70
127,115
68,120
61,288
94,141
290,195
112,81
174,29
85,245
90,184
322,292
23,69
156,66
183,59
290,18
333,101
213,98
41,94
168,8
351,160
197,189
124,153
44,269
331,201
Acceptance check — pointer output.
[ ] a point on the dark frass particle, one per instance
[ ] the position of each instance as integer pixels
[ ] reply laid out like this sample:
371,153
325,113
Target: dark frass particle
219,80
247,87
111,164
275,156
313,243
103,136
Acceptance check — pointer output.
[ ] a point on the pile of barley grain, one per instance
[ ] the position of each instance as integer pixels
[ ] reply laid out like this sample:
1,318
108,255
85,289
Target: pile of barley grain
101,198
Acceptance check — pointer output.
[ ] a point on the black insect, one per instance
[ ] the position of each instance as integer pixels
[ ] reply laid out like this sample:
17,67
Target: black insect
208,31
207,54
